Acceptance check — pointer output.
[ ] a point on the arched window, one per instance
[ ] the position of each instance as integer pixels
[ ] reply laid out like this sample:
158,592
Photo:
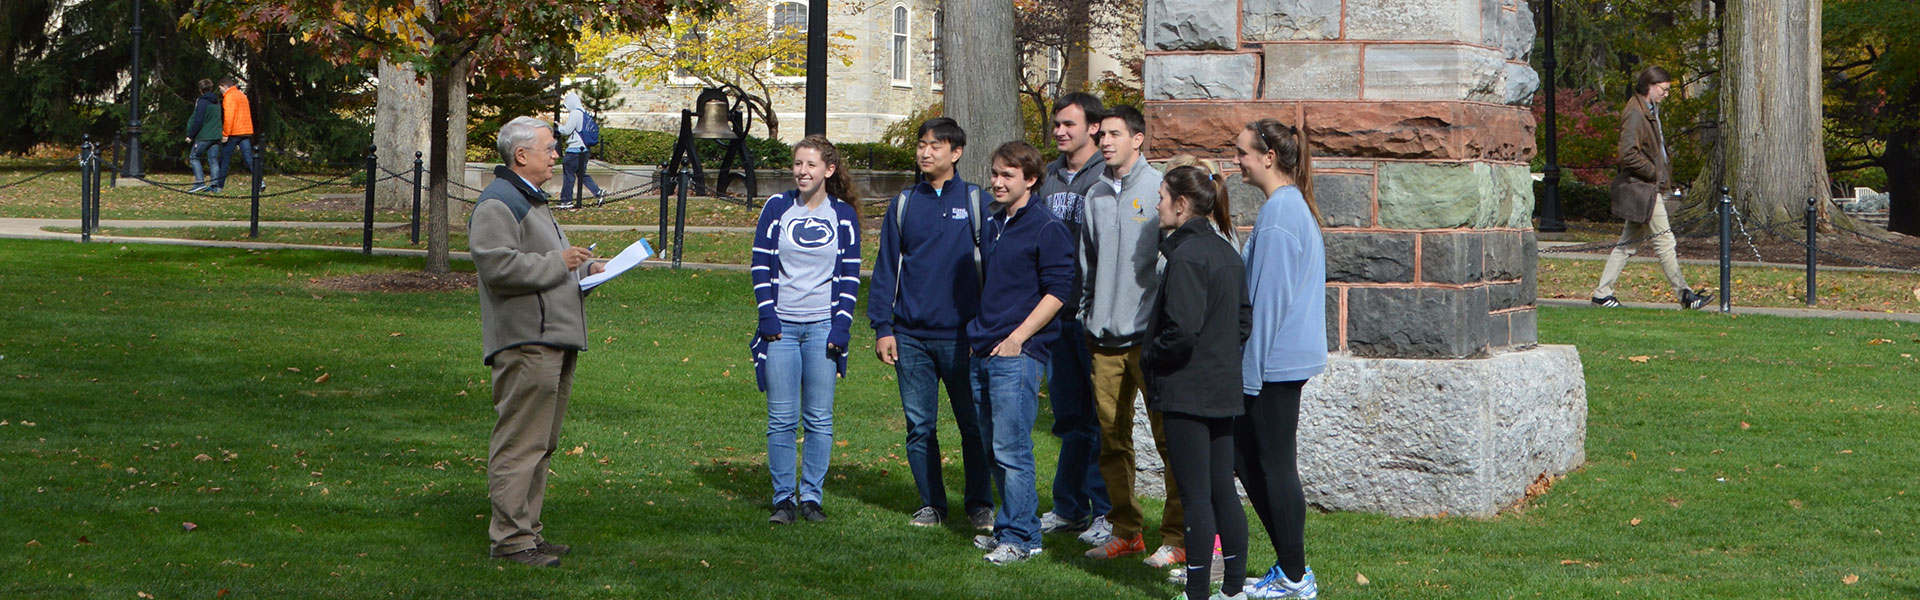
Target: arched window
790,19
900,46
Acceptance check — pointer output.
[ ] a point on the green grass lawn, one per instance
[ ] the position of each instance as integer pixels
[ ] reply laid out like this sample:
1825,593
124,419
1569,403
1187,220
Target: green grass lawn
329,444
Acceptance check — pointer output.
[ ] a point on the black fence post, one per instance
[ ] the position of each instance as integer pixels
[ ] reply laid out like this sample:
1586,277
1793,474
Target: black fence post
87,164
680,220
1813,247
366,231
416,196
253,156
1726,251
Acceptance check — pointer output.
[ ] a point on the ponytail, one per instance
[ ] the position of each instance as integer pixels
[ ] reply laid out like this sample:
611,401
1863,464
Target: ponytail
1292,155
1199,181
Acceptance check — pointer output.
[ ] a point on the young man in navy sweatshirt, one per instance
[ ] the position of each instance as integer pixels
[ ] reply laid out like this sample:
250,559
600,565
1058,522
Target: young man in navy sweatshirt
925,288
1029,273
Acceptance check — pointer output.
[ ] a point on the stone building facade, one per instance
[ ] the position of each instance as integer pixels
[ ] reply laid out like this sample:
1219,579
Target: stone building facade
1437,398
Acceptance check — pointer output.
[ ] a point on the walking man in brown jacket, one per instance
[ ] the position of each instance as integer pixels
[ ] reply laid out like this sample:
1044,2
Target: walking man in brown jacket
1645,174
533,326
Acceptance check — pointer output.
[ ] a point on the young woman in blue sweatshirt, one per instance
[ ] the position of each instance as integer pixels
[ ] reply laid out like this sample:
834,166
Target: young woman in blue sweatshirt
1287,281
1029,273
806,275
1192,363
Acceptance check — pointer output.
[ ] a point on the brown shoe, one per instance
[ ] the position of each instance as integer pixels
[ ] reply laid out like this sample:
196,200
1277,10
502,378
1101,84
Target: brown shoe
551,549
532,557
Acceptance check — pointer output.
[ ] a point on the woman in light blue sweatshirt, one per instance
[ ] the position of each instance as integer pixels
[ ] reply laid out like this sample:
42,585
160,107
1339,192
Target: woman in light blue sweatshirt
1287,282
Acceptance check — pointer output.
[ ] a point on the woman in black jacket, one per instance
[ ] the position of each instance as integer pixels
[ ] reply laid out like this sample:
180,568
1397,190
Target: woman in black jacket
1192,363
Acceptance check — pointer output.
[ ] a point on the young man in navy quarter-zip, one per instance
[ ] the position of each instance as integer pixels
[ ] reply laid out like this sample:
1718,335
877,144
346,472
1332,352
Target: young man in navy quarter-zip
925,288
1028,258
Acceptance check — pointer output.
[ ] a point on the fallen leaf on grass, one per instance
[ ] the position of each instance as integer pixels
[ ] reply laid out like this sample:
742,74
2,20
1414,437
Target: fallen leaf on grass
188,526
1634,522
1639,359
33,543
294,369
395,334
323,378
1569,561
220,594
202,458
144,595
576,451
84,540
1850,579
703,563
1360,578
1744,425
1796,504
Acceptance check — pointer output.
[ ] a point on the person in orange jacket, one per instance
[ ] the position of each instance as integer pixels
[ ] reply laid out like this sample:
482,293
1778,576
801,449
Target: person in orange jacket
236,129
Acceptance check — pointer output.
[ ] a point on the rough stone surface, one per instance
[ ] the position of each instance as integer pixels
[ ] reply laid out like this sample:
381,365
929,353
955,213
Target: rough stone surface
1524,328
1352,130
1334,342
1201,77
1452,258
1498,326
1189,25
1344,200
1491,33
1434,196
1284,20
1246,199
1149,472
1416,322
1519,32
1433,72
1369,257
1518,84
1444,20
1312,72
1505,258
1502,296
1422,437
1514,184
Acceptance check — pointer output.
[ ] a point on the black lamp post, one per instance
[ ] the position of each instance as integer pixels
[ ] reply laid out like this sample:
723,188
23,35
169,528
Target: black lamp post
1550,220
817,67
133,110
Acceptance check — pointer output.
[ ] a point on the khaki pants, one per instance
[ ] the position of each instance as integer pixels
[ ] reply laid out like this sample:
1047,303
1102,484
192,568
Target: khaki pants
531,384
1117,379
1662,247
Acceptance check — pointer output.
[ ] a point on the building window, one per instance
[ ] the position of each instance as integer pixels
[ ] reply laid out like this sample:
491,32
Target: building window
686,51
1056,65
790,19
939,60
900,45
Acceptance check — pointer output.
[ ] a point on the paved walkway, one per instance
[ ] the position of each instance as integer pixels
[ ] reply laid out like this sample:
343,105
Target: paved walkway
21,228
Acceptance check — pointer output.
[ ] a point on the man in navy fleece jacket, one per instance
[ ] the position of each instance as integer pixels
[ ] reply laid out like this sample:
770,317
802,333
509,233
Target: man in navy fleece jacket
925,287
1029,273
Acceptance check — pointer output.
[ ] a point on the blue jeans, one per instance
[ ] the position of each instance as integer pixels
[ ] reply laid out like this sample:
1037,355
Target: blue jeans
573,168
800,379
1007,391
924,365
245,142
197,157
1078,489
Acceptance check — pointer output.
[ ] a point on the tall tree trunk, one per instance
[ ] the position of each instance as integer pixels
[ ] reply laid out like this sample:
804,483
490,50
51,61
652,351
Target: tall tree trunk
1770,107
983,87
399,130
438,117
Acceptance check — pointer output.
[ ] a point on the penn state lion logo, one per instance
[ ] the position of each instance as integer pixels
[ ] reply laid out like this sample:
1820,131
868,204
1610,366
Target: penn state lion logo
810,232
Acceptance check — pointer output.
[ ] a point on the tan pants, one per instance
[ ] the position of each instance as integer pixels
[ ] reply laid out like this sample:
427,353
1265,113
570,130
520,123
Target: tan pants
1662,247
1117,379
531,384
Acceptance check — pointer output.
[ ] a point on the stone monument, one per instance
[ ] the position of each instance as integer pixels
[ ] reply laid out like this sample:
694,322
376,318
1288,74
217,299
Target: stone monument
1437,398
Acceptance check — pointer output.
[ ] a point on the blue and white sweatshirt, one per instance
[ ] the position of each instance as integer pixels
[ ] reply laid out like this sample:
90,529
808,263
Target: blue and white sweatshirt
1287,280
767,276
924,281
1028,255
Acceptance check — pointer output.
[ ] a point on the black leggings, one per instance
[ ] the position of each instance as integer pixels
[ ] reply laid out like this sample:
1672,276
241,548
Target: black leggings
1270,469
1200,455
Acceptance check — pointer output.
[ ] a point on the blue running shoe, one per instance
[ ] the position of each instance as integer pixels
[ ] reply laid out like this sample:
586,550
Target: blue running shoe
1276,585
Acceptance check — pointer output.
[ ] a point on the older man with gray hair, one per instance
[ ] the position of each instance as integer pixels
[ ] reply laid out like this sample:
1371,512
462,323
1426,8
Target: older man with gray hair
533,326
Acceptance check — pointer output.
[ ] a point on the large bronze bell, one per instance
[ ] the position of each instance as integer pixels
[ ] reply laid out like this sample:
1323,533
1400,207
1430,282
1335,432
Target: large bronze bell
713,123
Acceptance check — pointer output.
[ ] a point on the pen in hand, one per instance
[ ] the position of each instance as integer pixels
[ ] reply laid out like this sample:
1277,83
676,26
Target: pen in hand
591,247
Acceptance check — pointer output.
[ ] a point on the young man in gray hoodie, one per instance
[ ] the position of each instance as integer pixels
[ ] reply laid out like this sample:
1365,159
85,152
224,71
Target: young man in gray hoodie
1079,491
1120,278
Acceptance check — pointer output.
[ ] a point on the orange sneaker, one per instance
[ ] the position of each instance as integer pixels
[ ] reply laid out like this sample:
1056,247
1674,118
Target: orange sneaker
1167,556
1118,547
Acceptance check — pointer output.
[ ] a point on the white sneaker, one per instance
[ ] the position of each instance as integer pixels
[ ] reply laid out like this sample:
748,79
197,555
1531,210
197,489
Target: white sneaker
985,542
1052,523
1097,533
1276,585
1006,554
1166,556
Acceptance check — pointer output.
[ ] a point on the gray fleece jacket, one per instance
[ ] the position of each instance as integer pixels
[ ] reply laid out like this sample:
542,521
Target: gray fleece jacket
527,294
1120,259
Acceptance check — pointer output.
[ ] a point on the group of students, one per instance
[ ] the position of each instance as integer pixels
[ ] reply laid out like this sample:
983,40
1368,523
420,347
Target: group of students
1096,273
223,118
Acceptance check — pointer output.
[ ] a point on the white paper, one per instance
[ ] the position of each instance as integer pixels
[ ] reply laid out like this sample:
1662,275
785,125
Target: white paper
627,259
